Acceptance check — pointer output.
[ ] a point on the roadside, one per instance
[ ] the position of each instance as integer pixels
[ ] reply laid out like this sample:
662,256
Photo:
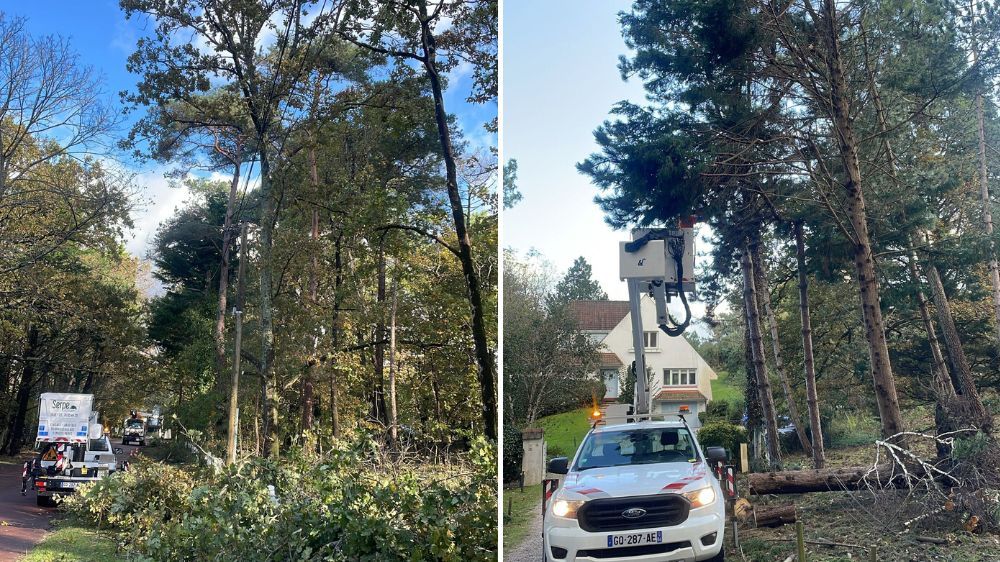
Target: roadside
26,527
72,541
520,511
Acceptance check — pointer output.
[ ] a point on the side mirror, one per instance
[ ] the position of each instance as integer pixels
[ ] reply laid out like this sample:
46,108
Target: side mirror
559,465
119,450
716,454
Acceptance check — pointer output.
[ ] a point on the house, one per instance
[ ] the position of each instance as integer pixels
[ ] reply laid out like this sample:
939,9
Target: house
679,374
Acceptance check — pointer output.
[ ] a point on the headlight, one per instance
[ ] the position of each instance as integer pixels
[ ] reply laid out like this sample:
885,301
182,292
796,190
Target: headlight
700,498
566,508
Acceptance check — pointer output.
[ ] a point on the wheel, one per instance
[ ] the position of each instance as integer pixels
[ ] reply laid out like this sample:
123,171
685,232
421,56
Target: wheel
44,501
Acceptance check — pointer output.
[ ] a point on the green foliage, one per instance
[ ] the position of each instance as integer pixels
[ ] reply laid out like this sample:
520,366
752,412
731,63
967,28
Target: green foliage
350,504
850,429
722,434
966,448
513,453
549,363
511,195
579,284
72,541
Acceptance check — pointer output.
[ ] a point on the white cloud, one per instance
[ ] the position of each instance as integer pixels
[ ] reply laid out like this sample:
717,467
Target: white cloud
159,198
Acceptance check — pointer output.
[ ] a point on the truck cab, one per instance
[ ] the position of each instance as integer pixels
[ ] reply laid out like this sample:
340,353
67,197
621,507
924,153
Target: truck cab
134,432
636,492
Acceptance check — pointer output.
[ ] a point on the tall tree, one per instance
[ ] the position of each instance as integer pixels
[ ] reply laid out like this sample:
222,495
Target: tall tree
262,48
412,32
579,284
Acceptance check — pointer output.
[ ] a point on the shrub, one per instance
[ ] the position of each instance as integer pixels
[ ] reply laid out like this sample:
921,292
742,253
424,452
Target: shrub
350,504
967,448
722,434
513,453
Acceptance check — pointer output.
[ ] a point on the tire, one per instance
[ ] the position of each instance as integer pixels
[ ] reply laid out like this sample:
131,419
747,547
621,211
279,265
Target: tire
44,501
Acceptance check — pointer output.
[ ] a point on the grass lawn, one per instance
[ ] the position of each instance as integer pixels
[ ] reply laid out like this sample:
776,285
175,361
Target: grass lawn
564,432
522,509
725,389
71,542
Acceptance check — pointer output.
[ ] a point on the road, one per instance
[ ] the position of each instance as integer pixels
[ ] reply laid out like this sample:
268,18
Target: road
23,524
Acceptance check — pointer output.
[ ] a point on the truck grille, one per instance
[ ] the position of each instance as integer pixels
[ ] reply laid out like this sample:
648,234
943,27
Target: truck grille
632,550
606,514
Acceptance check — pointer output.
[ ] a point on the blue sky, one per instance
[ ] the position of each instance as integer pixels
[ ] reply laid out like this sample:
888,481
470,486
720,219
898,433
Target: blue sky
560,80
99,32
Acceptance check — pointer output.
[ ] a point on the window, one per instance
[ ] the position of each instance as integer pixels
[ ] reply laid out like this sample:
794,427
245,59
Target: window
636,446
679,377
649,340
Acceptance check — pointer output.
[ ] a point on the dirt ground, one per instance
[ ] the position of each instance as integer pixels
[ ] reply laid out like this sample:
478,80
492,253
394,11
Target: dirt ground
859,521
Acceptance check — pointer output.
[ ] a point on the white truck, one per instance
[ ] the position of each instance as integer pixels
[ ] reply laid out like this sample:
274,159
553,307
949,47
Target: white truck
134,431
639,491
72,447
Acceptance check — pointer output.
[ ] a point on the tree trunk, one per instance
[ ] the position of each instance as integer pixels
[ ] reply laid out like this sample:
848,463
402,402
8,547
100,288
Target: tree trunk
808,364
828,479
16,438
864,262
269,399
764,299
755,417
959,363
760,370
221,378
939,371
775,516
335,330
313,364
393,365
379,412
485,363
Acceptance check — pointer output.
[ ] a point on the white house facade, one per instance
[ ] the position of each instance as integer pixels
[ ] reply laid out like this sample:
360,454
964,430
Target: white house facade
680,377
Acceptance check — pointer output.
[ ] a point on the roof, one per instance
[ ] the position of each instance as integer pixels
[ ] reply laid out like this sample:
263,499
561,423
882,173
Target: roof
610,360
598,315
683,395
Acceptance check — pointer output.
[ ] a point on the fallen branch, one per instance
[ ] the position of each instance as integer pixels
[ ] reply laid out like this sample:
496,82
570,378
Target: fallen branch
932,540
815,542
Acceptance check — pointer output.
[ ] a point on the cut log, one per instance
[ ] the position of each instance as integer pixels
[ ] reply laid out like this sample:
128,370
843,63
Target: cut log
775,517
742,510
828,479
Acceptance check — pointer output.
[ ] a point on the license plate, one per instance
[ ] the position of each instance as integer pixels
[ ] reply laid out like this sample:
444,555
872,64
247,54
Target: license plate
69,484
635,539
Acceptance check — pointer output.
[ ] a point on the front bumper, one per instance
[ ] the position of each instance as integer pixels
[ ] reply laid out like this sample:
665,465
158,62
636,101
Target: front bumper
684,540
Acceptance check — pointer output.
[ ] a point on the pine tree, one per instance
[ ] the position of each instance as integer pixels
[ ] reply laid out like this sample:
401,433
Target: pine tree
578,284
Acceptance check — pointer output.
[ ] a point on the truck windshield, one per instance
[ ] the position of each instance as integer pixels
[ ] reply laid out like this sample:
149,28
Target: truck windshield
636,446
134,423
99,445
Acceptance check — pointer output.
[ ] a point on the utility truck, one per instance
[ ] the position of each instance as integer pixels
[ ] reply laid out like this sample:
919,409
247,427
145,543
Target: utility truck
641,490
71,446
